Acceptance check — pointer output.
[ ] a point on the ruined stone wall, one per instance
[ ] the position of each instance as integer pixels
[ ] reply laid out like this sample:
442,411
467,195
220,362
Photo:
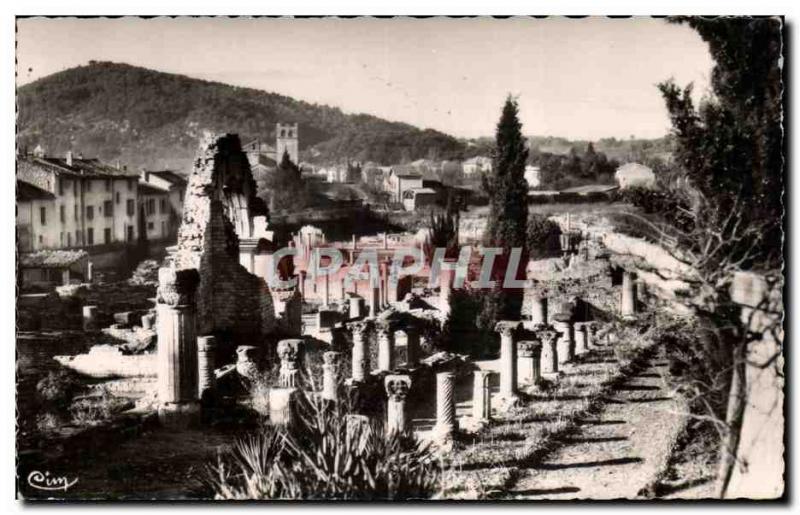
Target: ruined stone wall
218,209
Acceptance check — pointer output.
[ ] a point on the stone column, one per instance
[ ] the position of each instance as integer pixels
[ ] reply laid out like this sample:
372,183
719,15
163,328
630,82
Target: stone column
482,396
446,422
446,278
384,284
508,358
628,301
374,300
412,347
591,332
360,357
89,271
539,309
356,307
177,347
89,318
565,344
302,282
385,348
65,277
397,388
549,356
330,375
529,354
290,351
581,338
206,346
326,291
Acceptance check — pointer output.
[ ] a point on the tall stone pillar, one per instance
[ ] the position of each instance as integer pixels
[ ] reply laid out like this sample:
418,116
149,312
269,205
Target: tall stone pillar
385,348
330,375
482,396
397,388
446,423
90,318
628,301
360,356
529,354
566,345
508,358
549,356
581,338
591,333
412,347
89,271
177,347
539,309
384,284
206,348
446,279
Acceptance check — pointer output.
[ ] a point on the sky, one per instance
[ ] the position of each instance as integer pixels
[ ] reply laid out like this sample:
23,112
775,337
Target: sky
576,78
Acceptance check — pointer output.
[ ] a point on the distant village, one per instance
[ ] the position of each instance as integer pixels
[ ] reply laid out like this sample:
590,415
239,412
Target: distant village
73,204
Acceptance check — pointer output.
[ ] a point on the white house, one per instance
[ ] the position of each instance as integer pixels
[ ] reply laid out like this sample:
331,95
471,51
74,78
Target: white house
634,174
533,175
477,164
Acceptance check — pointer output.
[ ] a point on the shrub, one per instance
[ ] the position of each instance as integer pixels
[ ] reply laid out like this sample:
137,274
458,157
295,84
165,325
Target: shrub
326,456
58,388
544,236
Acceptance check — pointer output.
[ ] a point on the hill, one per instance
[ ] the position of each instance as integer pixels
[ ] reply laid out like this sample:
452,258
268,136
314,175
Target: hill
147,118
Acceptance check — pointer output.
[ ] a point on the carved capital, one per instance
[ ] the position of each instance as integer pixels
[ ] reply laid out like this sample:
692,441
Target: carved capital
177,287
507,328
528,348
397,387
360,327
290,351
331,358
547,335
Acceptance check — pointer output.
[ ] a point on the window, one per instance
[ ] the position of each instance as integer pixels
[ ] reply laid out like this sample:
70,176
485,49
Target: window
129,233
163,207
61,239
41,240
77,237
76,211
90,236
163,228
89,185
62,214
43,215
130,185
131,205
117,195
60,186
69,239
150,206
108,184
107,235
108,208
150,226
75,188
90,212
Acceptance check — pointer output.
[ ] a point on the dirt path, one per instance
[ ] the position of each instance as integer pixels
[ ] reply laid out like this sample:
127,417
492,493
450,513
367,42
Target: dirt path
616,453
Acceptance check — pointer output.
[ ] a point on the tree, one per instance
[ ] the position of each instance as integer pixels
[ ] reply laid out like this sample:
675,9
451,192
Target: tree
731,151
287,190
508,213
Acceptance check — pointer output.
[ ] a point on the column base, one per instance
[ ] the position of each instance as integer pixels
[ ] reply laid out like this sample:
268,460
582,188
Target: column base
179,415
506,401
444,435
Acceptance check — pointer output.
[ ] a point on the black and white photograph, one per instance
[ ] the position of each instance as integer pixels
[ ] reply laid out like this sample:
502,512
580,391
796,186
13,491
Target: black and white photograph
392,259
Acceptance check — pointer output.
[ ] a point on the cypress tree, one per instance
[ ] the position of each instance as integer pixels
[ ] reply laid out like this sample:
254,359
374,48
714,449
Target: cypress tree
508,214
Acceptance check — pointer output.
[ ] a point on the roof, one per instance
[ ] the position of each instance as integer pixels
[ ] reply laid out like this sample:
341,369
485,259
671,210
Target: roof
408,176
51,258
635,169
148,189
591,188
169,176
417,191
91,168
28,192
